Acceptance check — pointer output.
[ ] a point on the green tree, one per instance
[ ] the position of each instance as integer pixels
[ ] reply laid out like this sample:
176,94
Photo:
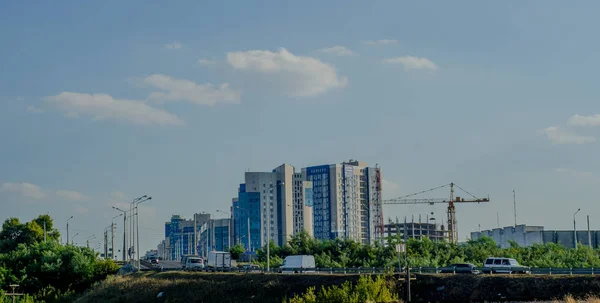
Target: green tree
236,251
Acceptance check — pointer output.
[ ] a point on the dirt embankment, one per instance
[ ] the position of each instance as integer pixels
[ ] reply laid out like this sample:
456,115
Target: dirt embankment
223,287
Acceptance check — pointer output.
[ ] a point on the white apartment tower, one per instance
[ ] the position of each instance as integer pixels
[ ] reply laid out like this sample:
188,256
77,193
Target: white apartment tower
346,201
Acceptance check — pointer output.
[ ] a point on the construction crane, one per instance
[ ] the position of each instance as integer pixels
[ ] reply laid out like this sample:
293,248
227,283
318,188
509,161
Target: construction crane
452,229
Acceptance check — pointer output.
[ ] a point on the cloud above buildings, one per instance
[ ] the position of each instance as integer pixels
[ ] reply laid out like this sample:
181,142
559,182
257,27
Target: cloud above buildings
299,75
412,63
105,107
191,92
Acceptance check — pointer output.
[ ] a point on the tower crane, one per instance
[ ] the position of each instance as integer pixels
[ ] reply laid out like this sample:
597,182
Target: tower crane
452,229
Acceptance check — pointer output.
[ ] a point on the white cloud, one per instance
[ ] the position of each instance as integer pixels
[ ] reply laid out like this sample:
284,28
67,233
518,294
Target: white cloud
20,98
301,76
71,195
410,62
102,106
558,136
380,42
25,189
338,51
34,109
185,90
174,45
579,120
206,62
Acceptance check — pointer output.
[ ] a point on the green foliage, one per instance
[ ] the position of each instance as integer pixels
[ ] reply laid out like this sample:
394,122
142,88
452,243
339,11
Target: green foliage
427,253
366,289
46,270
236,251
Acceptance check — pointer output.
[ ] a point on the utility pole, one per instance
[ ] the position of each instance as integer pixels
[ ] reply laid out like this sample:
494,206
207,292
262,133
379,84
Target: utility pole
575,229
195,236
68,229
589,232
112,240
13,294
515,206
124,230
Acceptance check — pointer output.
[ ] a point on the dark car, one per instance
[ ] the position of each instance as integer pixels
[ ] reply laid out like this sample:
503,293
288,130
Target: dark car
460,268
154,260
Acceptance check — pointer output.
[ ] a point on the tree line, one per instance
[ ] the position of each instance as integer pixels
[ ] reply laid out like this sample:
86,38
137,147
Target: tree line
44,269
427,253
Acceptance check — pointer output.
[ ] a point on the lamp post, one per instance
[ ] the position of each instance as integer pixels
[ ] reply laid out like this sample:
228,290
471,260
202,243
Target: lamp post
112,235
77,234
68,229
88,240
124,230
575,229
140,200
133,218
210,237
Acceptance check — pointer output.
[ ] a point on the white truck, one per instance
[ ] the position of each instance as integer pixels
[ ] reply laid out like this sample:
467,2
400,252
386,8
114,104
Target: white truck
219,261
298,264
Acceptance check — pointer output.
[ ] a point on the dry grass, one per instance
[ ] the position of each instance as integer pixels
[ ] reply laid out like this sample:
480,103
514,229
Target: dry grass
570,299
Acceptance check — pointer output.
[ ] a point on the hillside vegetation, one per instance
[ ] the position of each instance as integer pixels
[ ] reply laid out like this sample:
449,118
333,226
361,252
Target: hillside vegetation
46,270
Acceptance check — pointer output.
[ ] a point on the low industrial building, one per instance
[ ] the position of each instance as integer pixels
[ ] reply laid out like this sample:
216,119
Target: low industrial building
525,235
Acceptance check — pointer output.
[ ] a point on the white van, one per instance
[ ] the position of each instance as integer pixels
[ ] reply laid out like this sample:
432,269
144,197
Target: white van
503,265
194,263
299,263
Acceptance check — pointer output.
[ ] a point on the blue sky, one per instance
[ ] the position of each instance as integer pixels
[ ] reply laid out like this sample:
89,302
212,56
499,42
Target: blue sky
103,102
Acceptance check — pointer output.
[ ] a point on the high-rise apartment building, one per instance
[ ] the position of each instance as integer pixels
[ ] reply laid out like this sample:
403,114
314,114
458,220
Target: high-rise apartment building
346,201
274,205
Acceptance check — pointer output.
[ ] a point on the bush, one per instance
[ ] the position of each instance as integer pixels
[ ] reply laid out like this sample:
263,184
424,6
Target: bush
365,290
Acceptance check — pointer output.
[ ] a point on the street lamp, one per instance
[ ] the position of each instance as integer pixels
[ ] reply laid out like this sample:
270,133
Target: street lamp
575,229
124,229
77,234
138,201
112,235
87,240
210,238
68,229
132,208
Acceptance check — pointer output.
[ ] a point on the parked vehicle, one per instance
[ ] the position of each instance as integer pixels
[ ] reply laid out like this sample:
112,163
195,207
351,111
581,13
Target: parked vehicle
460,268
153,260
503,265
219,261
194,263
250,268
298,263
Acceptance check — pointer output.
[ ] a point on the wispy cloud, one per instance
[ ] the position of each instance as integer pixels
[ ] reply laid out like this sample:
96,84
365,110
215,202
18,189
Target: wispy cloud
579,120
174,45
298,75
380,42
102,107
338,51
410,62
206,62
559,136
34,109
25,189
71,195
189,91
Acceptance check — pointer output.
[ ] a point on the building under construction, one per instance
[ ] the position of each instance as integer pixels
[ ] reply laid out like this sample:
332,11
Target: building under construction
414,230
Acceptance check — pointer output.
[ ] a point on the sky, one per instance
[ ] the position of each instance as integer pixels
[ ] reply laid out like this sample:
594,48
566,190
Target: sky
102,102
